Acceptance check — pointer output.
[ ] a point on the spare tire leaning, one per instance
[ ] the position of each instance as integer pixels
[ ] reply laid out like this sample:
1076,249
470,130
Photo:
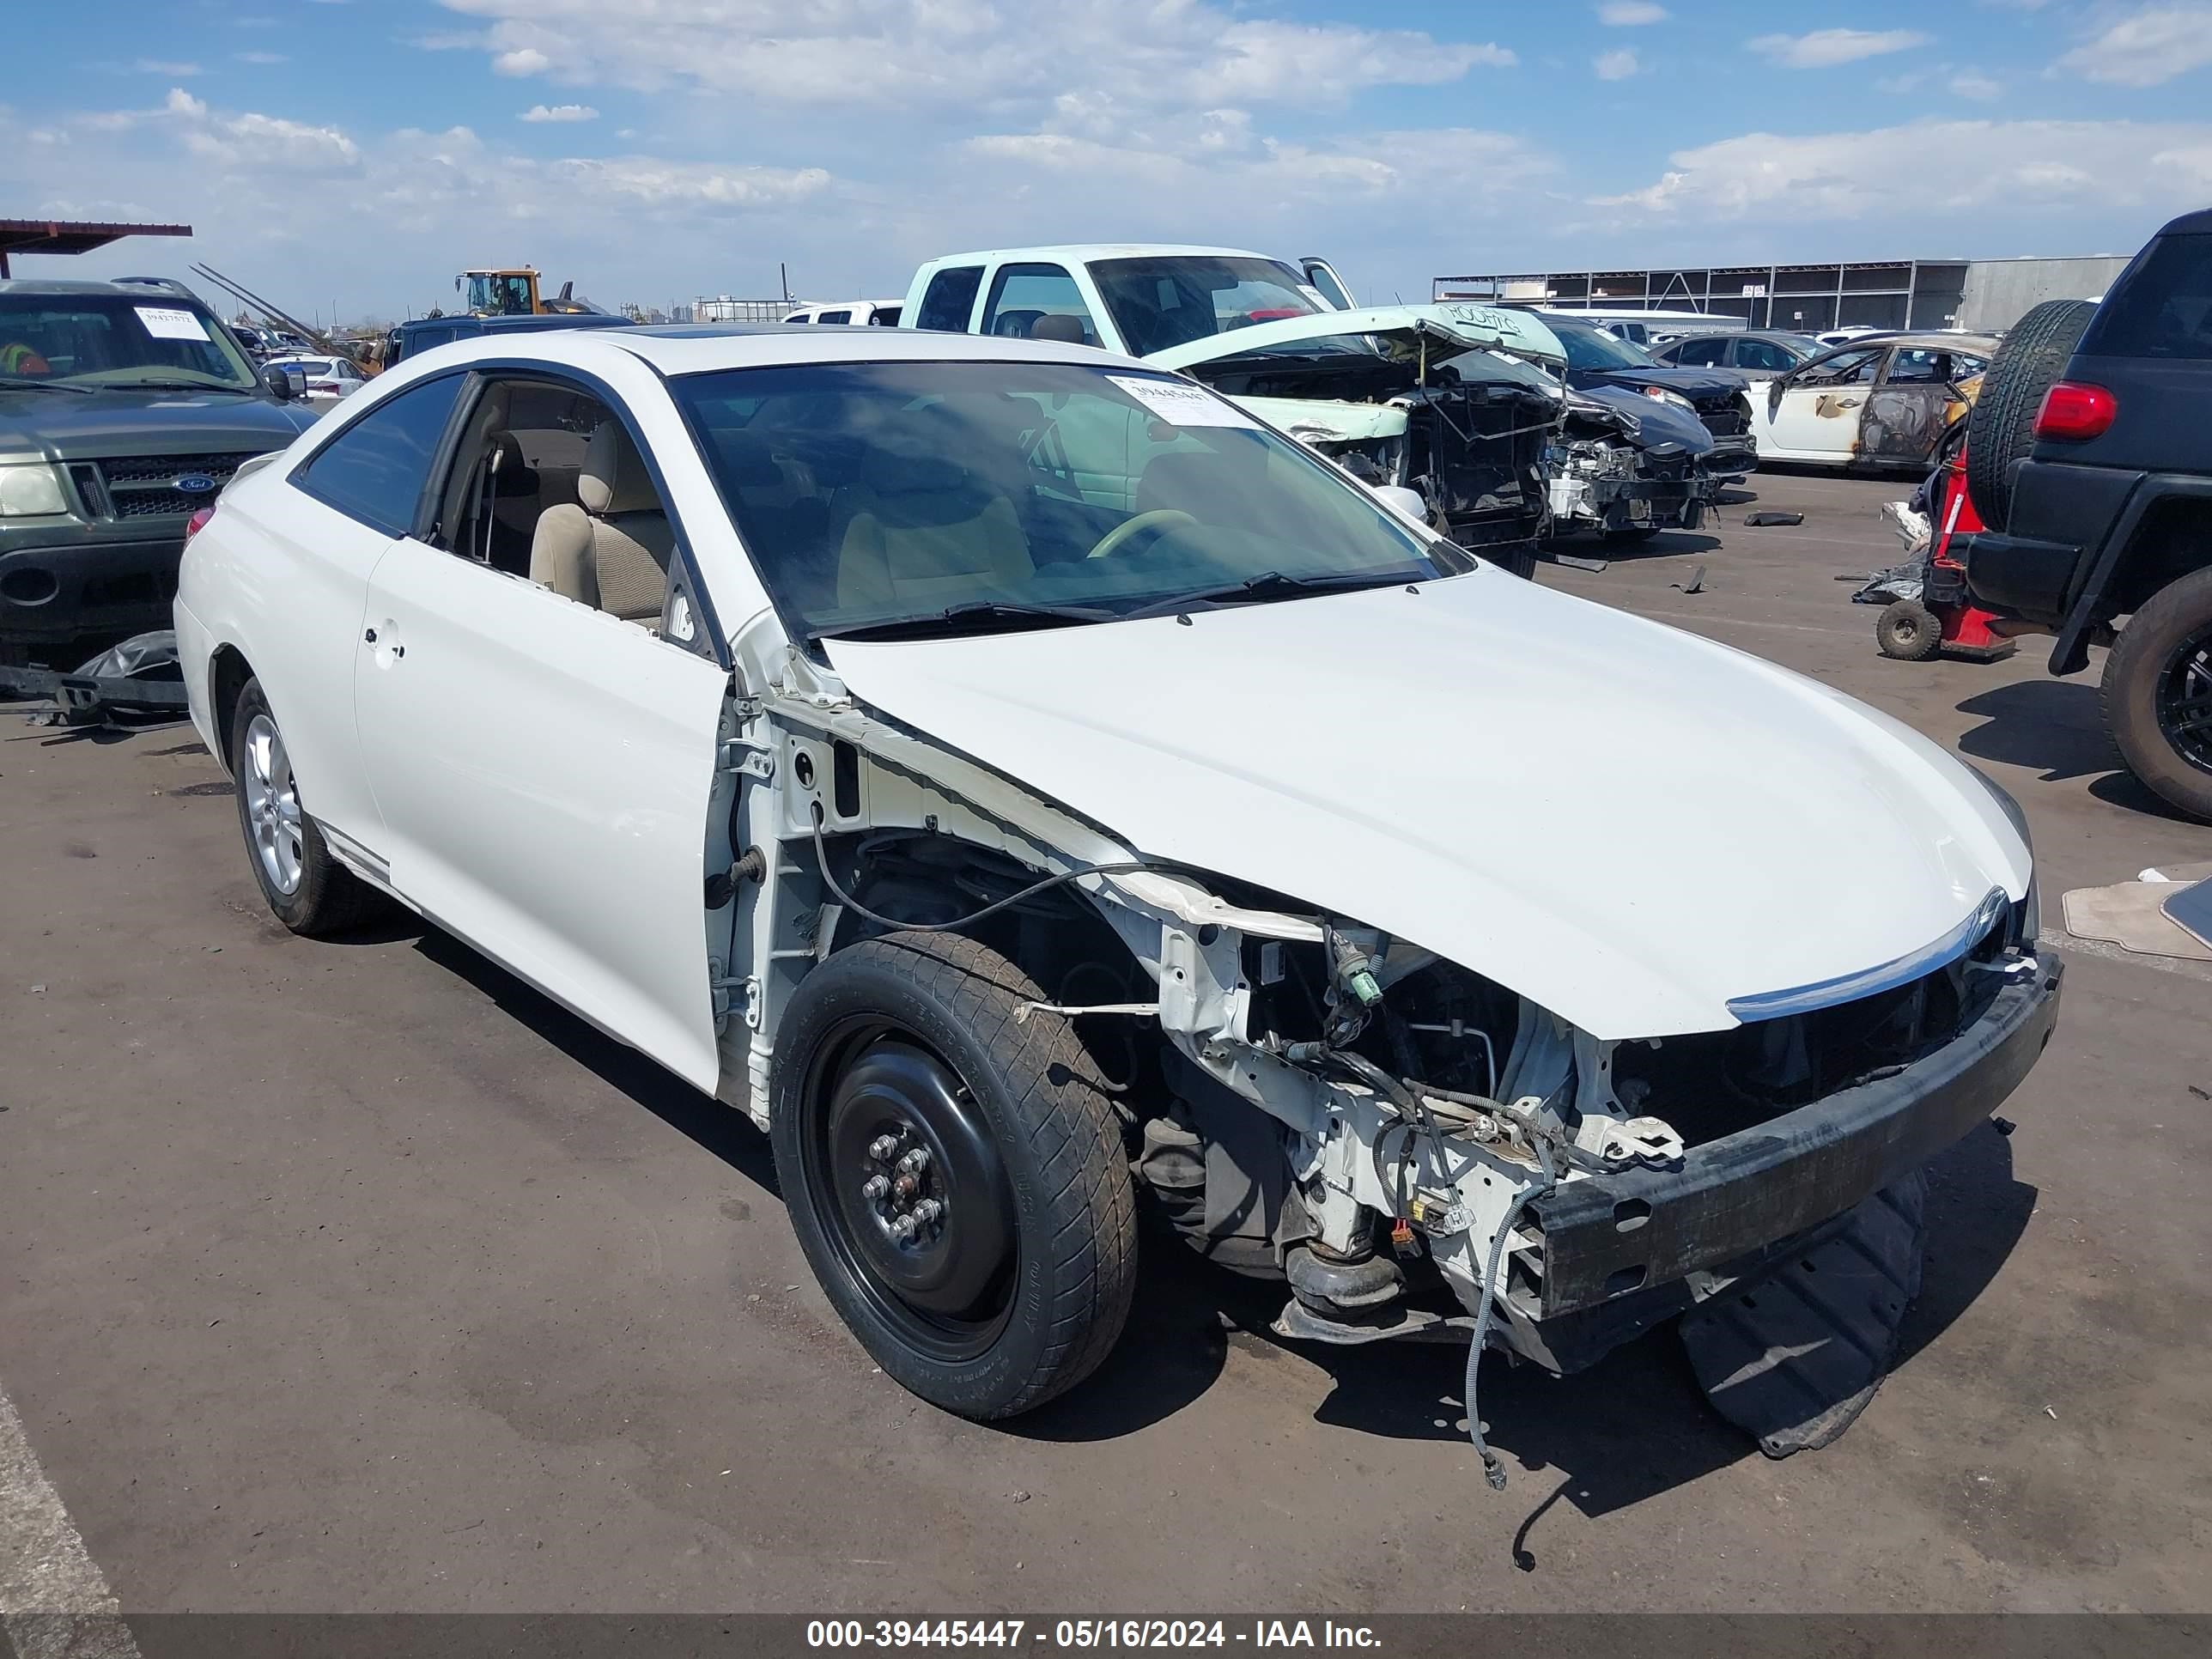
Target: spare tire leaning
2031,359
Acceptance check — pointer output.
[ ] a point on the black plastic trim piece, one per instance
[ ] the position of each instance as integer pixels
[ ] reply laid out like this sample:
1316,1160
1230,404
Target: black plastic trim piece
1732,1197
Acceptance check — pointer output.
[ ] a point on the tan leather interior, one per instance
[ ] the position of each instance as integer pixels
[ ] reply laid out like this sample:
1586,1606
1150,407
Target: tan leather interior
613,550
922,528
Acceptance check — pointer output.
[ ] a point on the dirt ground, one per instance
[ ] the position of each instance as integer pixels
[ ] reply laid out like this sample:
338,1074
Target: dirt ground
359,1276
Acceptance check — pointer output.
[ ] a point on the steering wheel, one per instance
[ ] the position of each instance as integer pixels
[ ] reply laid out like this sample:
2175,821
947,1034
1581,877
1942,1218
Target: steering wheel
1160,518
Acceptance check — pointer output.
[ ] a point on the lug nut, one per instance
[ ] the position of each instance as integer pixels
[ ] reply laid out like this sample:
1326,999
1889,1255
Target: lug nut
883,1147
926,1212
917,1160
875,1188
902,1228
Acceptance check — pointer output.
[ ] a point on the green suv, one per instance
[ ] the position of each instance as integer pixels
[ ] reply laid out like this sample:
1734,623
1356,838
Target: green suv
124,407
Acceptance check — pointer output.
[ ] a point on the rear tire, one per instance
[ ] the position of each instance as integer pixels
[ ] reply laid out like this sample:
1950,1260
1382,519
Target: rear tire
1017,1286
2157,694
2031,359
309,890
1909,631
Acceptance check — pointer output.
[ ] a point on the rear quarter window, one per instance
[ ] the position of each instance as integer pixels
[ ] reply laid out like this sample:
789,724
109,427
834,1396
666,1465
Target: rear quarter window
2162,308
949,299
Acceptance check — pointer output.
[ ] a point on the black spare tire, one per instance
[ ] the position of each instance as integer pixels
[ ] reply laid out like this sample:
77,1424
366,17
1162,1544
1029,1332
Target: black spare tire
2031,359
954,1171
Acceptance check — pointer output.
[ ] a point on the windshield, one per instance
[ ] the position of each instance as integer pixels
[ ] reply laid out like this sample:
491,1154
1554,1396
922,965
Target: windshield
1172,299
499,293
870,494
1592,348
103,339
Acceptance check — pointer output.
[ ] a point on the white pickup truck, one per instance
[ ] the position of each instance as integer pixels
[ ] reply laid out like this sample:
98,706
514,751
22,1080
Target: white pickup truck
1439,399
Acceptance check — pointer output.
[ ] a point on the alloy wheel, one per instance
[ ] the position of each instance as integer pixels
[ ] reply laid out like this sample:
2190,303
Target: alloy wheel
272,806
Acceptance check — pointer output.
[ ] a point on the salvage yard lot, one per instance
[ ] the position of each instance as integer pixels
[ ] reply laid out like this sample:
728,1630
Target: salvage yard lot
359,1276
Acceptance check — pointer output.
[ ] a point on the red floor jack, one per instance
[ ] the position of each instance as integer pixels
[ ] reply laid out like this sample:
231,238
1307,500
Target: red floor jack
1928,609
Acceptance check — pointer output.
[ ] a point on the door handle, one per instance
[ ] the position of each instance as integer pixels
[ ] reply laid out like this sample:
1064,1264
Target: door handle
1849,403
369,637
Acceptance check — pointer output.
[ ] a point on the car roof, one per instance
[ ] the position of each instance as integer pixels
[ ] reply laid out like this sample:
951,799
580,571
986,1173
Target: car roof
138,289
1936,339
1080,252
2198,223
675,348
516,325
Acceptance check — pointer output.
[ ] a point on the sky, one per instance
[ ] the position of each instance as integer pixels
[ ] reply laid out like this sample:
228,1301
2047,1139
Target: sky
345,158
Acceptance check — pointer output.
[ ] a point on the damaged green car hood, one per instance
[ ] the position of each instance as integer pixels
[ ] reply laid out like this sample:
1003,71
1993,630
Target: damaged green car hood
1457,325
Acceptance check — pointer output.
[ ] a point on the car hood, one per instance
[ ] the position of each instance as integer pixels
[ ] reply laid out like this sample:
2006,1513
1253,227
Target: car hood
1455,326
1650,424
1627,824
65,427
1691,383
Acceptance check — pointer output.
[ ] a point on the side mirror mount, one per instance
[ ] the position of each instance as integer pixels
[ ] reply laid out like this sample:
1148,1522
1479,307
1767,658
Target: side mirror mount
1405,504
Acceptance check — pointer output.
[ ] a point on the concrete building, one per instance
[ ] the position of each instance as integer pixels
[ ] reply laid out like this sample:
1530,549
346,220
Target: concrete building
1975,294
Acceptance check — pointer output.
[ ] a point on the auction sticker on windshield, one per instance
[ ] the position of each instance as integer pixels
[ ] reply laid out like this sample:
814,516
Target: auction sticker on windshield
1183,405
166,322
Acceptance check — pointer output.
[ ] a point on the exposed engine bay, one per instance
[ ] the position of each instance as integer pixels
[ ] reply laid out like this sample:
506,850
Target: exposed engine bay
1623,462
1467,430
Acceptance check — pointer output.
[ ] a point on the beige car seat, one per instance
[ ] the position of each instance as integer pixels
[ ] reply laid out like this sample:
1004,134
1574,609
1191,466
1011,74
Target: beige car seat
612,551
926,533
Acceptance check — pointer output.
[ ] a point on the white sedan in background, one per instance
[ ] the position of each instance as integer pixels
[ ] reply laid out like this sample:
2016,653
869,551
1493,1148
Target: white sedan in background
329,378
790,705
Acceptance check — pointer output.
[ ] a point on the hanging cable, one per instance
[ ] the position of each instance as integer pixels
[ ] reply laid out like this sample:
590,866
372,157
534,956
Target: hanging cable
822,859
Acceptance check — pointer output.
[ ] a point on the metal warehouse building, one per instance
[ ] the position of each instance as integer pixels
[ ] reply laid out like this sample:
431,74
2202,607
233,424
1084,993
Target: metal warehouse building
1975,294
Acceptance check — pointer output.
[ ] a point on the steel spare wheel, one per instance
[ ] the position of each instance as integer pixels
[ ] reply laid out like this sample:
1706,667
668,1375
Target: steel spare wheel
954,1171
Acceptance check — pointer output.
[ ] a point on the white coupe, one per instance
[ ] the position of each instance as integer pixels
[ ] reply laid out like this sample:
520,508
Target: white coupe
796,705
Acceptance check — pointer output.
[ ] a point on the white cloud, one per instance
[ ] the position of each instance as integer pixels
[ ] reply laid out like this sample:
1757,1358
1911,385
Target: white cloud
958,55
1825,48
270,140
1617,65
262,57
180,102
2023,167
164,66
2153,46
1970,83
1630,14
559,112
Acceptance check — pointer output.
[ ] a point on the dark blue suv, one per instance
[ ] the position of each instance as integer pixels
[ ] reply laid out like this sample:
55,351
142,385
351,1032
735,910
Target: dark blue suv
409,339
2090,460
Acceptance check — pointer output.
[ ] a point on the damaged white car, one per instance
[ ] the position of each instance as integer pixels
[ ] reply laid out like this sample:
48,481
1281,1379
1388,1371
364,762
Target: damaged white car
1026,786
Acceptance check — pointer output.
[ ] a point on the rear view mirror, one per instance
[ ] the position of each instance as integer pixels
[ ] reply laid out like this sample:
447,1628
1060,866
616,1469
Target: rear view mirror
287,382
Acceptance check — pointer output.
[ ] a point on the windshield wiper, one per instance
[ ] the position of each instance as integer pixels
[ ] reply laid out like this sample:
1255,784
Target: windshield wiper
179,385
1274,585
12,381
975,616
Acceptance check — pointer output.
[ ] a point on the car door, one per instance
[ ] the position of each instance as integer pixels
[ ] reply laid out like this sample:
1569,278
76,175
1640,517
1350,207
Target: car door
307,547
1813,414
543,770
1916,400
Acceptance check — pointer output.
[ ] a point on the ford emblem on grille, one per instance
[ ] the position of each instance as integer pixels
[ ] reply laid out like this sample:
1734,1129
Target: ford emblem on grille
195,484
